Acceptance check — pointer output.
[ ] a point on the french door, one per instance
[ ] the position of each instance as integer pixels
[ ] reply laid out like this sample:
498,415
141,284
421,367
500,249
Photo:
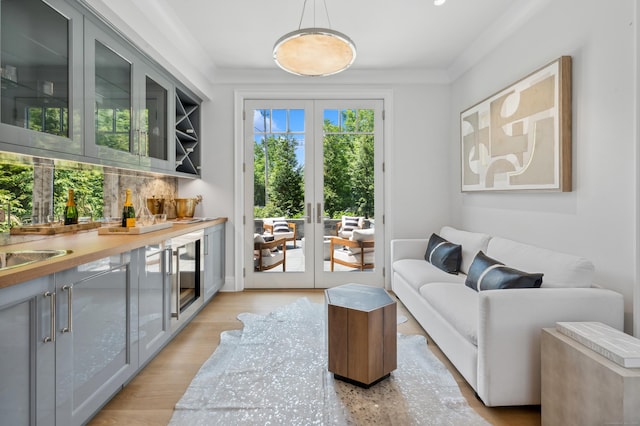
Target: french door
313,180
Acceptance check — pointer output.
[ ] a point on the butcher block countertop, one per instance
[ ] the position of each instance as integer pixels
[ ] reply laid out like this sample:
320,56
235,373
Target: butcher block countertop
86,246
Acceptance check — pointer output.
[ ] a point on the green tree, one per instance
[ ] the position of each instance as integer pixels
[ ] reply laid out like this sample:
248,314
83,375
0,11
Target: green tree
349,164
286,191
88,187
16,189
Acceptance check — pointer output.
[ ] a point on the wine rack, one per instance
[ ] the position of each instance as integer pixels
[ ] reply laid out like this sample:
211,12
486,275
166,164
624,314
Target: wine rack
187,133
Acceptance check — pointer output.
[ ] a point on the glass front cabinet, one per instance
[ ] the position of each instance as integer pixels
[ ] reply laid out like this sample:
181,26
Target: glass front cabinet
73,88
127,105
41,93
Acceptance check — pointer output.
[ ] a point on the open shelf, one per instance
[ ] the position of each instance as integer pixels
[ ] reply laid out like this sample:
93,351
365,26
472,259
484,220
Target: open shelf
187,130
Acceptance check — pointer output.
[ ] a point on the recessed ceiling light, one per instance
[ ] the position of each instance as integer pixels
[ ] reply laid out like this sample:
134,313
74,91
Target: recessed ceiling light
439,2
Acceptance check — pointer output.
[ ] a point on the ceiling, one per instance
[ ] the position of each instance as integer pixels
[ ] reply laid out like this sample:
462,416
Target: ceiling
220,36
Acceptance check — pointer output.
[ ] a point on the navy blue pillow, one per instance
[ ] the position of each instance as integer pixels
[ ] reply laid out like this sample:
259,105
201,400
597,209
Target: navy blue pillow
443,254
486,273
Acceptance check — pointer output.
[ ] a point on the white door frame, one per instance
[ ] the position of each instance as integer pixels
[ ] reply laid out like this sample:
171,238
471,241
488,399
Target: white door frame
240,95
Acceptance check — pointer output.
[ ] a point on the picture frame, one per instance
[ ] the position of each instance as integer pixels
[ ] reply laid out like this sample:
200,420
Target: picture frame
519,139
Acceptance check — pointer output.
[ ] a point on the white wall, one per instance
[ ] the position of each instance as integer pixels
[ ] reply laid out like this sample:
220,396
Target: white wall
598,219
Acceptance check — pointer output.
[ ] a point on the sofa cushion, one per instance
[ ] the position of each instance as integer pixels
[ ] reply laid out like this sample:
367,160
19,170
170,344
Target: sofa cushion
471,242
560,270
457,304
417,272
443,254
490,274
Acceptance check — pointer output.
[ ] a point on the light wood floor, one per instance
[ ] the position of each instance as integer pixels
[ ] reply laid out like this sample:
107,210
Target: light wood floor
150,397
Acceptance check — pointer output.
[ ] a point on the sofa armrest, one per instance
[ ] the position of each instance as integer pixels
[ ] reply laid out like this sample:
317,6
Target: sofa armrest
509,329
413,248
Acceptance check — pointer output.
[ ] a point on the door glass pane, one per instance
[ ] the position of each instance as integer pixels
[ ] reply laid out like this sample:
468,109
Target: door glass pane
35,67
113,99
349,189
154,121
279,155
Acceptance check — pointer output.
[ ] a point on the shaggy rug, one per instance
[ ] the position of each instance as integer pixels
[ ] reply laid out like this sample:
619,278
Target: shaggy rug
274,372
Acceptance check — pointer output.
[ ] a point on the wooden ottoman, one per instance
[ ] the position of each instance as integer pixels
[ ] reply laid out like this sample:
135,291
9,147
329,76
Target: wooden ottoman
362,333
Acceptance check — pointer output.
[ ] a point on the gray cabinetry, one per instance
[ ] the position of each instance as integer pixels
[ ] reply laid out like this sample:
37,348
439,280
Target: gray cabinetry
27,353
214,260
97,343
42,81
153,301
127,104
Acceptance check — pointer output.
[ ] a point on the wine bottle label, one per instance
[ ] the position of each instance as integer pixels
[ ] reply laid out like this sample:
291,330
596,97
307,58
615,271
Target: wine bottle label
131,222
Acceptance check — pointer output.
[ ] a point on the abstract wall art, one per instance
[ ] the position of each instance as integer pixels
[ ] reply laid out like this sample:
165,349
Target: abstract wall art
520,138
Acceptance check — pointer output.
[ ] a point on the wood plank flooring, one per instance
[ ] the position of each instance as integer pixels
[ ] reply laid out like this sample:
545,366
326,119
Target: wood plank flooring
150,396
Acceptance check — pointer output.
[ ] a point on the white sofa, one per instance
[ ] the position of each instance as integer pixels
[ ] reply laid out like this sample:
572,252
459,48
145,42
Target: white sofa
493,336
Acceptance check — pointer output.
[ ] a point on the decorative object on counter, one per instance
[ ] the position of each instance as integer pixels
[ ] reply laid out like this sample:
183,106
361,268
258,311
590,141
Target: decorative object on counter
185,207
128,212
155,205
170,208
136,230
71,210
52,229
110,221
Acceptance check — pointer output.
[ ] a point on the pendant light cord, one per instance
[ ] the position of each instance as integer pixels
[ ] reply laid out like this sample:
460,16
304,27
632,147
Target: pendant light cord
304,8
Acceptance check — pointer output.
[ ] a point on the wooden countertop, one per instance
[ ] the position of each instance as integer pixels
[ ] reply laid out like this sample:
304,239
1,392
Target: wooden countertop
87,246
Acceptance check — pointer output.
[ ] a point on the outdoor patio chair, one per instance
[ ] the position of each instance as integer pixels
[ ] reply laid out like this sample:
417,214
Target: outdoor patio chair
355,252
279,227
269,254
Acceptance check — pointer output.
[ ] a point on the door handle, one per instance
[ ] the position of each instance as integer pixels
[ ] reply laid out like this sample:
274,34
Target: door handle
319,213
52,328
309,213
69,327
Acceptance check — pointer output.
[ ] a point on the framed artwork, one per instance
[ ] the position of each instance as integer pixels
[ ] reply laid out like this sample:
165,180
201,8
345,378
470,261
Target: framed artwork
520,138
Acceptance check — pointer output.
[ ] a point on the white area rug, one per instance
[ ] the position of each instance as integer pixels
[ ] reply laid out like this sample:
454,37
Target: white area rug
274,372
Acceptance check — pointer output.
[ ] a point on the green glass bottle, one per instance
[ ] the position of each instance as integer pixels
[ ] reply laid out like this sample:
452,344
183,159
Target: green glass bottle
71,210
128,212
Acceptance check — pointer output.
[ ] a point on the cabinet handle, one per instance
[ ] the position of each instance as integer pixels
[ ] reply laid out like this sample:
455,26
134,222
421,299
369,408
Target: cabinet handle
176,314
206,245
169,260
319,213
69,327
52,329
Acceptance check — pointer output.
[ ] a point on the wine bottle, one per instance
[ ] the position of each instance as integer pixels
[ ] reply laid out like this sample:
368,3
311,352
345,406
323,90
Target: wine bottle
70,210
128,212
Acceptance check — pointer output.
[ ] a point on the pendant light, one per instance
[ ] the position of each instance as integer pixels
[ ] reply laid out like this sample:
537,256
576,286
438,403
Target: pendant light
314,52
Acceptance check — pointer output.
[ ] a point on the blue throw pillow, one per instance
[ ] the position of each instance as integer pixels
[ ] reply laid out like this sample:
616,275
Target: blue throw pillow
486,273
443,254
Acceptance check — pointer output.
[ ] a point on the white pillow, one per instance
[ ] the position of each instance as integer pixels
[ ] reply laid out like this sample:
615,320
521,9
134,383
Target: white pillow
363,235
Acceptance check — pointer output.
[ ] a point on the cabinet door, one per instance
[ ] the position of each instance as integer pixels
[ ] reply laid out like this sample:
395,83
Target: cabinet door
109,97
96,348
27,353
153,301
154,119
214,255
41,75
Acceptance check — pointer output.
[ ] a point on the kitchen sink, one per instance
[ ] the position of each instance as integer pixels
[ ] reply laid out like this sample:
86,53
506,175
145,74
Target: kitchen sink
15,258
